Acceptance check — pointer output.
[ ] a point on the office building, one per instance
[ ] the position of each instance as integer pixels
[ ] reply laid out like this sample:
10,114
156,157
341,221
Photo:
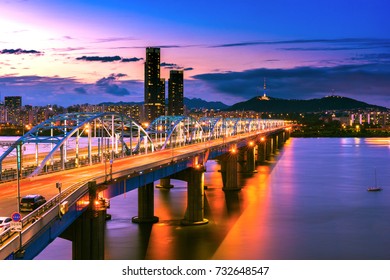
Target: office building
154,99
14,102
175,93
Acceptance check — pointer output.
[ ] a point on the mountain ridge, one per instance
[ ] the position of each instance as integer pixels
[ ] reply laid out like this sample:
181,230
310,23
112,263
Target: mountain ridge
279,105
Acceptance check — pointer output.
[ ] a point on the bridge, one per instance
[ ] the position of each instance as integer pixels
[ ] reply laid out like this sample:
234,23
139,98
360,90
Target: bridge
91,157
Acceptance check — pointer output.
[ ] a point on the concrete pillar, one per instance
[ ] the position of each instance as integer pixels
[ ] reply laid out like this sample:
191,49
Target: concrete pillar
268,147
87,232
287,135
280,140
241,160
165,183
261,152
246,160
250,160
145,205
274,143
195,197
229,170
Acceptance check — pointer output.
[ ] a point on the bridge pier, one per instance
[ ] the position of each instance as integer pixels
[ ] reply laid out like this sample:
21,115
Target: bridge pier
87,232
287,133
261,151
268,148
229,170
195,197
280,140
274,143
145,205
165,183
246,160
194,176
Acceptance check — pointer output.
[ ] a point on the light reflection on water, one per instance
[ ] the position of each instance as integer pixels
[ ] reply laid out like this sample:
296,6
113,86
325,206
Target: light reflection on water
310,203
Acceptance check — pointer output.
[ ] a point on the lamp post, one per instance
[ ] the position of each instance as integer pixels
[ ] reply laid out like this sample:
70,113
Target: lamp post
59,186
171,139
105,167
18,170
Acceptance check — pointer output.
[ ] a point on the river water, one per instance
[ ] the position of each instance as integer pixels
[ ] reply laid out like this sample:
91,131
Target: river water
309,202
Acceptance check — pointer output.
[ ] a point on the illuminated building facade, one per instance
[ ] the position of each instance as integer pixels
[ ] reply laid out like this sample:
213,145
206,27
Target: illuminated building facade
175,93
154,99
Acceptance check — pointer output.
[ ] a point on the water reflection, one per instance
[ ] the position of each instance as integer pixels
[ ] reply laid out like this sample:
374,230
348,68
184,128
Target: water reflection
308,203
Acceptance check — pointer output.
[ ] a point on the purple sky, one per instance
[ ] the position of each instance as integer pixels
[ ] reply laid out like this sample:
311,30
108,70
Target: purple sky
68,52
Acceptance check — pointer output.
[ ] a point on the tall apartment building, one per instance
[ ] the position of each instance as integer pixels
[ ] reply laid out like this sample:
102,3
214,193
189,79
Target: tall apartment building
154,99
14,102
175,93
13,107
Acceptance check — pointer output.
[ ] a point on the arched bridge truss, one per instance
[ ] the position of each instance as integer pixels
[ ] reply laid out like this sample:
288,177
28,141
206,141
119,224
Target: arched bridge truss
175,131
77,139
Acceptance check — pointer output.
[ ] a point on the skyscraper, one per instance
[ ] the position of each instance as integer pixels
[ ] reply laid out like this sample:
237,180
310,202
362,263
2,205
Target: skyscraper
154,102
175,93
14,102
13,106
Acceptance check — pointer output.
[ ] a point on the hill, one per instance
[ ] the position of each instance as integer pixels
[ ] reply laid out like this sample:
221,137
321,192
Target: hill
194,103
197,103
278,105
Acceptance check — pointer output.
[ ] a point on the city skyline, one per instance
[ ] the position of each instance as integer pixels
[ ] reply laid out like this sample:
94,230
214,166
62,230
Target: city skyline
71,53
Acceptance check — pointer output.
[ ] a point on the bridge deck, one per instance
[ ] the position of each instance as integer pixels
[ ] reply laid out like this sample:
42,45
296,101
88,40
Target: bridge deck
45,184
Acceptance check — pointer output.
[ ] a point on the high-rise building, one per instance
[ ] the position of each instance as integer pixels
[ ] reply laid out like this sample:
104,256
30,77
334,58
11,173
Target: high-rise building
154,101
14,102
175,93
13,107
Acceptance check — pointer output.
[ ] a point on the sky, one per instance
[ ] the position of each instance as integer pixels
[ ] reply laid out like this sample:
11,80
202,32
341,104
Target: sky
74,52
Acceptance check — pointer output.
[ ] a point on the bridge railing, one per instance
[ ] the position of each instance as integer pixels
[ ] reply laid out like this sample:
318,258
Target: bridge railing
36,220
182,129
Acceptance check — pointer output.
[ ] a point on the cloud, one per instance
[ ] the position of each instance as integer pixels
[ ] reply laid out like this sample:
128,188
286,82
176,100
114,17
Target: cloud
369,82
335,44
114,39
116,90
68,49
80,90
373,57
165,64
174,66
110,87
110,79
106,58
100,58
65,91
20,51
161,47
34,80
133,59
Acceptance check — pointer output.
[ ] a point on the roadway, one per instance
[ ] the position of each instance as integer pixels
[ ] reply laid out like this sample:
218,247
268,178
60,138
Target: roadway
46,184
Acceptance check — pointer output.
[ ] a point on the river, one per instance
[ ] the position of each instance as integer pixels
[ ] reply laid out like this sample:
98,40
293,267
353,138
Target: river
310,202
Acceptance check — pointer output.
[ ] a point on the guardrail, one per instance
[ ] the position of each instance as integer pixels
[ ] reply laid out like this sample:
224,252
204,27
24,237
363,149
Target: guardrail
36,220
33,222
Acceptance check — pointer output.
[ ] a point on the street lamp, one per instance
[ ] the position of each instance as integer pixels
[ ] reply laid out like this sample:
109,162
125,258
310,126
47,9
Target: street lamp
59,186
18,170
105,166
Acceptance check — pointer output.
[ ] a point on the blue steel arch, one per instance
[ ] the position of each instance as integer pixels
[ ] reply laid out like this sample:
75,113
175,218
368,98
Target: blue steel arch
185,129
213,127
64,126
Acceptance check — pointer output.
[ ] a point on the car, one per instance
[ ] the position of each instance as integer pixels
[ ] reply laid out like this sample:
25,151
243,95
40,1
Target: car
31,202
4,223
